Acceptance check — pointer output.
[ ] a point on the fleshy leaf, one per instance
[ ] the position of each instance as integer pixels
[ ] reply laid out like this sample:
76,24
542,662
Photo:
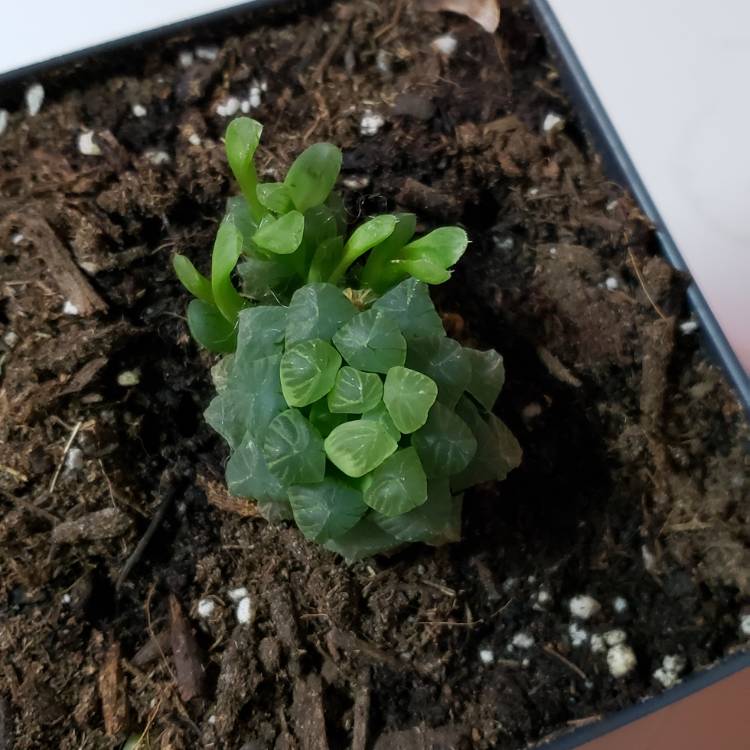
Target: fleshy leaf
443,246
424,269
437,521
364,237
293,450
226,251
397,485
238,214
355,392
498,451
194,281
380,414
323,419
410,304
364,540
275,197
443,359
248,476
374,274
359,446
313,174
408,396
210,328
241,141
487,376
325,258
283,235
371,341
445,444
317,311
308,371
326,510
261,332
265,279
250,400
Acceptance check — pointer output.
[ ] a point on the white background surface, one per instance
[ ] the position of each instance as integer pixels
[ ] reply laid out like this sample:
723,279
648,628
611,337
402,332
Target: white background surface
672,74
33,31
674,77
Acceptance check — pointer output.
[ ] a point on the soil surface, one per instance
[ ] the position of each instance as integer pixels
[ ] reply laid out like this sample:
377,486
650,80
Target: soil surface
122,558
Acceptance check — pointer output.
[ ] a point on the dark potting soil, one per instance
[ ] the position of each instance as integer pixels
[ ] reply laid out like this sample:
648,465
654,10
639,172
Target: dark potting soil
634,482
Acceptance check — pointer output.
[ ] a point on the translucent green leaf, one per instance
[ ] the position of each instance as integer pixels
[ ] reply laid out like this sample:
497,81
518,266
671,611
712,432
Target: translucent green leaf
325,258
241,141
293,450
443,359
374,273
210,328
397,485
194,281
380,414
355,392
424,269
308,371
443,246
275,197
261,332
323,419
265,280
364,540
487,376
445,444
313,174
410,304
317,311
408,396
359,446
226,251
498,451
248,476
364,237
250,400
221,371
283,235
326,510
371,341
437,521
335,204
238,214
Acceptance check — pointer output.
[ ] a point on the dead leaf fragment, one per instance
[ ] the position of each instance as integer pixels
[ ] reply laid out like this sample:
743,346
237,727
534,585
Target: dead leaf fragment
485,12
185,652
113,693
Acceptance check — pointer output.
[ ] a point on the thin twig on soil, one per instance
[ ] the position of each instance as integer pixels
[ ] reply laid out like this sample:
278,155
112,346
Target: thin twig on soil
585,721
333,47
13,473
569,664
638,274
60,465
361,711
393,23
439,587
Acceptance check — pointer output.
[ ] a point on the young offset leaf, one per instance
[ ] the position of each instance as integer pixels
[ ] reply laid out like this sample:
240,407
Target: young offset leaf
281,236
498,451
323,419
308,371
261,332
374,274
313,174
371,341
293,450
364,237
227,249
241,140
397,485
248,476
194,281
443,359
443,246
275,197
437,521
359,446
445,444
408,396
487,376
355,392
380,414
317,311
364,540
424,269
238,214
326,510
250,400
325,258
210,328
410,304
266,279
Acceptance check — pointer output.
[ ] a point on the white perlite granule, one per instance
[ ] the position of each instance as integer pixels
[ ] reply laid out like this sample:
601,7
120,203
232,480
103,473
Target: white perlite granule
745,625
138,110
611,283
370,123
486,656
186,58
522,640
445,45
671,668
578,634
236,594
597,644
584,606
129,378
615,637
87,145
3,120
206,608
69,308
553,123
621,660
228,108
244,611
620,604
34,98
